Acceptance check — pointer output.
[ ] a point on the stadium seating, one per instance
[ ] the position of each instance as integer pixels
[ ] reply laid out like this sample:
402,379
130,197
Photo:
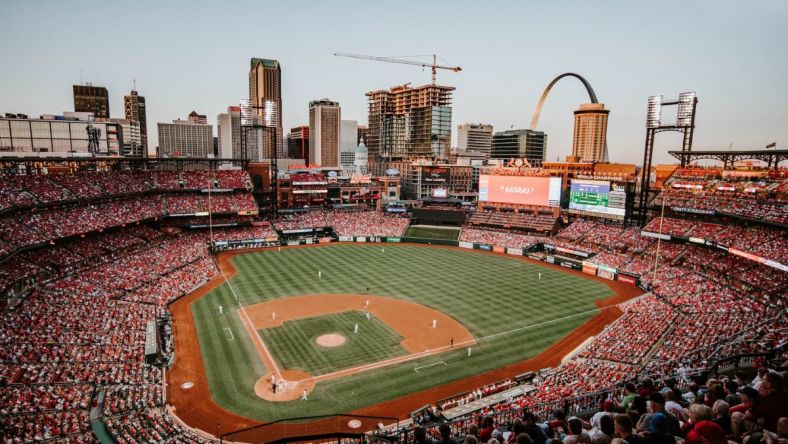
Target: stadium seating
347,223
76,307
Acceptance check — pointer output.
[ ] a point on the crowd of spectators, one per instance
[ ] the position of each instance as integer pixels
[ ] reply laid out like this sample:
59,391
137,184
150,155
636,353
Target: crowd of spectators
499,237
757,199
525,221
84,202
347,223
81,333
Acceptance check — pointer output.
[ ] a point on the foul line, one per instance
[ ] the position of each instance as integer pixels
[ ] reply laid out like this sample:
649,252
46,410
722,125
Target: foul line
411,357
430,365
231,338
250,323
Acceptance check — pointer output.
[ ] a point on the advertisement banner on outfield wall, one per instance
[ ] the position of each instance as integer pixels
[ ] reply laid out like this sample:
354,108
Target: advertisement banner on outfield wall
485,247
550,259
466,245
514,251
325,240
589,268
361,239
345,238
393,239
498,249
627,279
606,274
293,243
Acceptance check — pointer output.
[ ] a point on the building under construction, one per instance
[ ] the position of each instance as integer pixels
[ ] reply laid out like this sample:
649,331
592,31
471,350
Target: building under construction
409,123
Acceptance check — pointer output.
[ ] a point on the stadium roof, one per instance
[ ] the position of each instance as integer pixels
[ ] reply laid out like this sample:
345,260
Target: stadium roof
771,157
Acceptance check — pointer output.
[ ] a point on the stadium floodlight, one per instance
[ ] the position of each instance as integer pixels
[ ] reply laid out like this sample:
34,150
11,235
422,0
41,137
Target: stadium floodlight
686,108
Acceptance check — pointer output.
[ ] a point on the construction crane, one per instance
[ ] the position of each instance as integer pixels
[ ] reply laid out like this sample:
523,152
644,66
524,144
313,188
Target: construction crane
434,65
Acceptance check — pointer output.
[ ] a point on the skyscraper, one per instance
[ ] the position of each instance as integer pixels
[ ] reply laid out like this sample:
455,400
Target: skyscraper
134,106
519,144
590,135
324,129
475,137
265,98
348,141
409,123
91,99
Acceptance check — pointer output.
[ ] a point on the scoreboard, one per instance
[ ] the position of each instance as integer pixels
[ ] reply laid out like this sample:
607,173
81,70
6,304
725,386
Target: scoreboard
597,198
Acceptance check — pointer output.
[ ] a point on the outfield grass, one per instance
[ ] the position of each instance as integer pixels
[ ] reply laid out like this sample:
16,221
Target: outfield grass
422,232
294,346
497,298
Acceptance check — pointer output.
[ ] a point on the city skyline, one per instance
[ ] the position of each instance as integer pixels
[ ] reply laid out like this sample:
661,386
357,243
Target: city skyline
729,53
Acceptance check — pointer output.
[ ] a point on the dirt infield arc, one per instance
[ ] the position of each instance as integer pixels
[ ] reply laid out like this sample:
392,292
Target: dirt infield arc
196,408
414,322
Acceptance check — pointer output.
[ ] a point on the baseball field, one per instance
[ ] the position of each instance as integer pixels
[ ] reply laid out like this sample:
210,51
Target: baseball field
360,325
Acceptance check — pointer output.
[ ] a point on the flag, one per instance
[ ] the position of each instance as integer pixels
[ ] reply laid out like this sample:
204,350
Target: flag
772,145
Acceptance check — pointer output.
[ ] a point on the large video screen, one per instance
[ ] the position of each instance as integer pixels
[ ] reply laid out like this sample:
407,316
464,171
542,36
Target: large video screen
598,196
432,174
521,190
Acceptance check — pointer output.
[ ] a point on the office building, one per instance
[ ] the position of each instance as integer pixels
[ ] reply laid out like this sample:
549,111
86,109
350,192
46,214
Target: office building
58,135
298,143
134,107
348,142
408,123
199,119
589,141
475,137
91,99
184,138
129,137
228,135
265,100
519,144
324,128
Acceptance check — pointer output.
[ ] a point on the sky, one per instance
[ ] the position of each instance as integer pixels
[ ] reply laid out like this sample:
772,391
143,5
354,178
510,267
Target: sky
194,55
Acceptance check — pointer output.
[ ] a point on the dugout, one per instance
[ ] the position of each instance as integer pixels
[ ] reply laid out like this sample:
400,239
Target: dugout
152,343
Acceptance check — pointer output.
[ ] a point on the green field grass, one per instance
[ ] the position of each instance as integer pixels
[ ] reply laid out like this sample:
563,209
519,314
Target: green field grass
293,343
498,298
448,233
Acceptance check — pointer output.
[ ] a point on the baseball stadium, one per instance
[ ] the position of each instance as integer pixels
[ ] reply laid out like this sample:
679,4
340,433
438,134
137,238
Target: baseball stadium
180,300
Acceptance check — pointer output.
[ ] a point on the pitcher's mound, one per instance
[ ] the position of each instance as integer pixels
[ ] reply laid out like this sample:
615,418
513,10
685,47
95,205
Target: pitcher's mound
330,340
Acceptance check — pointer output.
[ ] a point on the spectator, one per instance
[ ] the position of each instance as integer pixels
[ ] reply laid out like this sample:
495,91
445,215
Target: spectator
576,433
657,406
445,432
623,430
536,433
604,433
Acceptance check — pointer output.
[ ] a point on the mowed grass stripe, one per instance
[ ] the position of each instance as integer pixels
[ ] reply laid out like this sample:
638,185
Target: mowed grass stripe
490,295
293,344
